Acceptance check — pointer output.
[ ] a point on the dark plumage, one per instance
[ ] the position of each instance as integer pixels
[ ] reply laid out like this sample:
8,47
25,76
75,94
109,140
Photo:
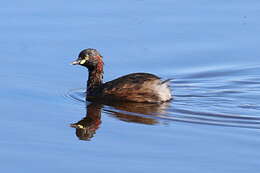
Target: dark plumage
136,87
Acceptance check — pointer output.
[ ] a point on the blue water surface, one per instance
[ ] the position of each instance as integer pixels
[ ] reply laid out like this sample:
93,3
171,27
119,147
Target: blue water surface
209,48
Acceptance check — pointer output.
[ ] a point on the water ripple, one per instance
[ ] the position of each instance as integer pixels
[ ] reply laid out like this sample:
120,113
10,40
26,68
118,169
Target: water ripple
225,97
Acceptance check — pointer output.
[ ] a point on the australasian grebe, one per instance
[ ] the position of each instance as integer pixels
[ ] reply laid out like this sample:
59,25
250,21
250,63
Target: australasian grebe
135,87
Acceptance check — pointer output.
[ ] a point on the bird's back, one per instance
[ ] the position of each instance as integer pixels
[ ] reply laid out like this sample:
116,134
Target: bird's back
137,87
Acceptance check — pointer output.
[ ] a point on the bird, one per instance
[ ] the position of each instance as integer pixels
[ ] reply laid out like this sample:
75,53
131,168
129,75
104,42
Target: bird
134,87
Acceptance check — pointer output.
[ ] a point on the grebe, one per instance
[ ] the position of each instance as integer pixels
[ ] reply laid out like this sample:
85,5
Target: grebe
134,87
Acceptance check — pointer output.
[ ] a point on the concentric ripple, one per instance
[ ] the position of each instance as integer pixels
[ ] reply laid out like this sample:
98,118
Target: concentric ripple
225,97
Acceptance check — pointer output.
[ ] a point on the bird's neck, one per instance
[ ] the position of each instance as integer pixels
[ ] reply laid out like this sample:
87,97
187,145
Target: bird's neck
95,81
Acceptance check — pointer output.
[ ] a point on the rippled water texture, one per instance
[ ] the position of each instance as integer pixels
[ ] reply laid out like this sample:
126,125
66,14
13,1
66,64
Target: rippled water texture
209,49
226,97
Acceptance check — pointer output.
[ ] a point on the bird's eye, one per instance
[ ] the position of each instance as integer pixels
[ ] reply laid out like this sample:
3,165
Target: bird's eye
83,61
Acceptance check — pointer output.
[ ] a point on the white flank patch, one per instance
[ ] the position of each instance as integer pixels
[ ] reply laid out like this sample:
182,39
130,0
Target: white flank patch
163,90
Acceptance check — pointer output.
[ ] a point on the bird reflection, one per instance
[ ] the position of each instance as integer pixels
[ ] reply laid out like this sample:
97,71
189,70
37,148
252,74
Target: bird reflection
86,128
129,112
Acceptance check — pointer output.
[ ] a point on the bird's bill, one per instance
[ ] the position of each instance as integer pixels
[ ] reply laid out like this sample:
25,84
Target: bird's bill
76,62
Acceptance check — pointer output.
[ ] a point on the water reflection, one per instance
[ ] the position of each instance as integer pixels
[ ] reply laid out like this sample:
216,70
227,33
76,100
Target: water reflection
129,112
220,97
86,128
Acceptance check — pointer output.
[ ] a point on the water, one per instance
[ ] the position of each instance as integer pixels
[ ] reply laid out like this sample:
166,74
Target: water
210,49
